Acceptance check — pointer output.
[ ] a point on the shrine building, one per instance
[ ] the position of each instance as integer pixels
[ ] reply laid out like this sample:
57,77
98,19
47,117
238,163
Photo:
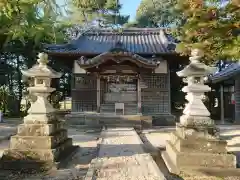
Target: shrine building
121,73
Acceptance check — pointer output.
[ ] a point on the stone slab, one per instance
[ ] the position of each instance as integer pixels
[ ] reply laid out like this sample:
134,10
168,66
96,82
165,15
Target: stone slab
192,159
196,120
221,173
39,165
36,154
41,118
197,132
121,156
199,145
104,119
38,142
199,171
168,162
39,129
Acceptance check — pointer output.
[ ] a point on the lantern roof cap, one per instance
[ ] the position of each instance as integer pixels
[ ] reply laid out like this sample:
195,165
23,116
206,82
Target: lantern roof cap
196,68
41,69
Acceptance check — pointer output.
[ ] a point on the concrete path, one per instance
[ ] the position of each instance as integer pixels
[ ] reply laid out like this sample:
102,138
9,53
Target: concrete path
121,157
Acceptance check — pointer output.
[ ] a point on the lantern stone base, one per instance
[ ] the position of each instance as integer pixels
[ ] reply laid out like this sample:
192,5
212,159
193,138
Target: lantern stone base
195,148
38,145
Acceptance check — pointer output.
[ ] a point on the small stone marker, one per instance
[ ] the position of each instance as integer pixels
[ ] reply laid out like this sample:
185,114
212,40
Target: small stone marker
195,143
41,140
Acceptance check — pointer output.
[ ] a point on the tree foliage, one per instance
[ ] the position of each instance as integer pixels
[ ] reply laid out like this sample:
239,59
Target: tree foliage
25,25
105,13
34,19
157,13
213,26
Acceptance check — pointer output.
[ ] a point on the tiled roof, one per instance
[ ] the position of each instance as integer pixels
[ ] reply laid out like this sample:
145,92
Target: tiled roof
136,40
227,73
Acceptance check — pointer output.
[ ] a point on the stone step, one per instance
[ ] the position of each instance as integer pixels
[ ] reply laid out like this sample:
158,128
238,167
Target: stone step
118,120
113,110
129,109
123,125
112,105
119,113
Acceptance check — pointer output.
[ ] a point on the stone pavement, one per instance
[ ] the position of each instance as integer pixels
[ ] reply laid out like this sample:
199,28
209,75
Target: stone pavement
121,157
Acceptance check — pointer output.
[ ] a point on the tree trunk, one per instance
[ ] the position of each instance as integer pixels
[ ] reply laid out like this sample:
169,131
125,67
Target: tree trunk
20,85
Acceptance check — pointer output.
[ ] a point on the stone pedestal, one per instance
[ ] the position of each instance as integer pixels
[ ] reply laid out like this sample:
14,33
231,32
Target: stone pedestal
195,144
41,141
195,148
38,145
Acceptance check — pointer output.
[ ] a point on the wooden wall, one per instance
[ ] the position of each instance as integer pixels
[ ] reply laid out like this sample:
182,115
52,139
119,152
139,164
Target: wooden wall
155,91
84,93
155,94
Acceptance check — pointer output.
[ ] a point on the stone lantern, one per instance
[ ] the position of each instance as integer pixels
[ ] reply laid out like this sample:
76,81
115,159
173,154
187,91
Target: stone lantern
195,112
41,140
195,143
42,75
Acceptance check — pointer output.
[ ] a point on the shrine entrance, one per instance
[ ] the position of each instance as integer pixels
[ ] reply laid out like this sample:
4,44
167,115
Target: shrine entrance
120,95
118,81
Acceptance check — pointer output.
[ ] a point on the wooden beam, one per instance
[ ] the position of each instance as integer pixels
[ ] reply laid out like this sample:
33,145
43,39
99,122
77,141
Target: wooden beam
139,96
98,93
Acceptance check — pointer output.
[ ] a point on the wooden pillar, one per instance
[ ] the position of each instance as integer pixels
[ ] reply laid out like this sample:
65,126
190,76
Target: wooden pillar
222,103
73,99
98,93
237,100
139,96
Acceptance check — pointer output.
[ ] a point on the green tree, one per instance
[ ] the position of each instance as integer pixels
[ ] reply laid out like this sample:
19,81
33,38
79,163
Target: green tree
211,26
25,25
31,19
104,13
157,13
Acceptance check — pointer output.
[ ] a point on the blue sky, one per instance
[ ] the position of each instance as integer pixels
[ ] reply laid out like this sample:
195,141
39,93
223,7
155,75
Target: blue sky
129,7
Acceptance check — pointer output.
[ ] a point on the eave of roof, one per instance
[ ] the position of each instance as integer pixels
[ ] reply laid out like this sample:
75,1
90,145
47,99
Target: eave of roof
117,57
227,73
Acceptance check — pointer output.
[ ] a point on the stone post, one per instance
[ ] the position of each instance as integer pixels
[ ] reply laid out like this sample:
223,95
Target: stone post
195,143
41,140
